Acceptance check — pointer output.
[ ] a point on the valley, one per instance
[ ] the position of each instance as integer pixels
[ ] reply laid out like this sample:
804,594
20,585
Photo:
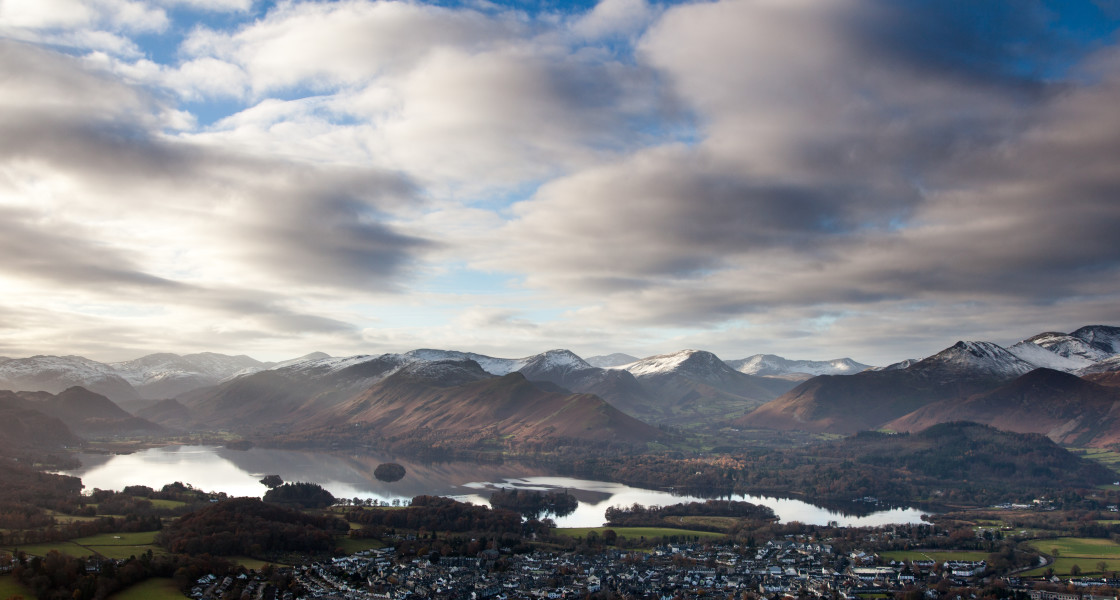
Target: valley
834,446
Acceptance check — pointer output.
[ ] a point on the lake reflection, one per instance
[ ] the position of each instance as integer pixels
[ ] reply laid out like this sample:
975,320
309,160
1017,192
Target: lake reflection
237,473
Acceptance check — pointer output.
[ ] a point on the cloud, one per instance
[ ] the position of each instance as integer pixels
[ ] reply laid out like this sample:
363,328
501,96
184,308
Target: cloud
842,168
212,5
610,18
117,14
463,101
323,45
626,176
98,203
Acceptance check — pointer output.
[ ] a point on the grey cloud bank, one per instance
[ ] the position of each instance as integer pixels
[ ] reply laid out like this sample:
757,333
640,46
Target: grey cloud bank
811,179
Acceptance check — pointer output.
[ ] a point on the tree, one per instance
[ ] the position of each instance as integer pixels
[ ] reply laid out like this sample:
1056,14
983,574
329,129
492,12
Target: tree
272,481
1102,566
1075,570
307,495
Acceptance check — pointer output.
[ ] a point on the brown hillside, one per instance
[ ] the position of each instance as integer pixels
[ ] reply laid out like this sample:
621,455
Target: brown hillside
89,413
22,427
510,406
846,404
1110,379
842,403
1064,407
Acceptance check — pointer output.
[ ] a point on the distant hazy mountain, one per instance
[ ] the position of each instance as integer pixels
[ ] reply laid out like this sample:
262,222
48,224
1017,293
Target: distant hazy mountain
568,372
458,398
89,414
611,360
694,386
771,365
685,388
401,394
57,373
167,375
169,413
23,427
902,364
278,396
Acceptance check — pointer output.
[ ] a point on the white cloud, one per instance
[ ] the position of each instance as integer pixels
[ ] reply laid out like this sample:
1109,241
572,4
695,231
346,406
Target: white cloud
610,18
212,5
323,45
128,15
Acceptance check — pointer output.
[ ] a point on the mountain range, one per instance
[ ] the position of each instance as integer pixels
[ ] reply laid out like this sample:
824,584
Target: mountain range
1031,387
1063,385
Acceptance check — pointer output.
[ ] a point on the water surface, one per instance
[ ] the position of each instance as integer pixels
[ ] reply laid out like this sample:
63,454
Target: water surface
237,473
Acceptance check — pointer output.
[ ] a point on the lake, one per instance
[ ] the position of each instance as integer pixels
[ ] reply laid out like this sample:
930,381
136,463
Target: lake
237,473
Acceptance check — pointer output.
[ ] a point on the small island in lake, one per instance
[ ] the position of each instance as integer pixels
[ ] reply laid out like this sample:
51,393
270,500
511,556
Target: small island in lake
389,472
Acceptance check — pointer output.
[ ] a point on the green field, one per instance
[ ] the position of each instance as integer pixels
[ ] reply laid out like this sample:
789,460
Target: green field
353,546
1107,458
109,545
1080,547
1083,552
157,503
143,538
9,588
939,555
634,533
1063,566
158,588
68,548
121,545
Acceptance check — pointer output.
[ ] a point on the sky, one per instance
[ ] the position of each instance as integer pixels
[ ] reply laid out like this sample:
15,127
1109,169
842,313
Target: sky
810,178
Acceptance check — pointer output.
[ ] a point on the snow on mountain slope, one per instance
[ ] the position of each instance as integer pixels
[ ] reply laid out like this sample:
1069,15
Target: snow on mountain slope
898,366
697,364
611,360
362,366
55,374
553,361
974,358
1069,346
1040,356
160,366
494,366
1101,337
444,373
305,357
1108,365
771,365
167,375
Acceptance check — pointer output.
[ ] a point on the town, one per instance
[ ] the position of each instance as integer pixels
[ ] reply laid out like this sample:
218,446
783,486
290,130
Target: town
719,570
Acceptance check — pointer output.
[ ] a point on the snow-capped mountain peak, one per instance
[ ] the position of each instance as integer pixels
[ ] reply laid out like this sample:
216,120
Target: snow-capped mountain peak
697,363
556,360
978,358
772,364
1069,346
57,373
1102,337
1040,356
444,372
611,360
494,366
